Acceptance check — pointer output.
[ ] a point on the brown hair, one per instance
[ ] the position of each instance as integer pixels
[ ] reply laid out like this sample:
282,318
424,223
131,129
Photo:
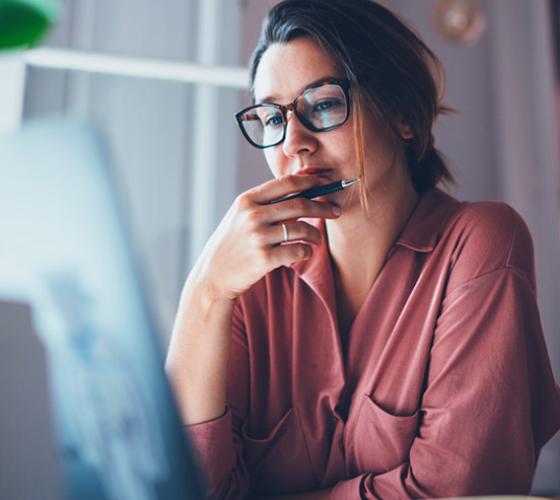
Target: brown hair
391,70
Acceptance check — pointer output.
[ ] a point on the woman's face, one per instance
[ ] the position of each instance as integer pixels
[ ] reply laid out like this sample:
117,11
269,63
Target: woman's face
285,70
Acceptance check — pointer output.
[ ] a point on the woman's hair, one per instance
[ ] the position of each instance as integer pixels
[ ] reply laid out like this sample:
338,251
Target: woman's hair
391,71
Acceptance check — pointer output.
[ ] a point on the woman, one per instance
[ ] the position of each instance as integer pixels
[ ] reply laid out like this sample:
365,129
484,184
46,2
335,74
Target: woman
382,341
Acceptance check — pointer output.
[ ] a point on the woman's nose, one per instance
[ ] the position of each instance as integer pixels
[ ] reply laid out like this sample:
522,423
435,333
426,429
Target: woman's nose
299,140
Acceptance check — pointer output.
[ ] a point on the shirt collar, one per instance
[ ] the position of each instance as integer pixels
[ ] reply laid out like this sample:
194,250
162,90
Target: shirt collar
427,221
420,234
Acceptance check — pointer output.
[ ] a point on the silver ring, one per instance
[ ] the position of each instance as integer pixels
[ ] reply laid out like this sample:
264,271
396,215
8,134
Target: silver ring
285,230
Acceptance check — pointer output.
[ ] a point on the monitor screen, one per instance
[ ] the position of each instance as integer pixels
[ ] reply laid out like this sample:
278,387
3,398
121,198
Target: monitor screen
65,251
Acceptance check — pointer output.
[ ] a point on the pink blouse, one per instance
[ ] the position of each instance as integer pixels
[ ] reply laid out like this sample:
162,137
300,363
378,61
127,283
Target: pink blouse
442,387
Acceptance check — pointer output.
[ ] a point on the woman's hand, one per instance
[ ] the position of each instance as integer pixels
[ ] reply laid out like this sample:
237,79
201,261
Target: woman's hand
247,243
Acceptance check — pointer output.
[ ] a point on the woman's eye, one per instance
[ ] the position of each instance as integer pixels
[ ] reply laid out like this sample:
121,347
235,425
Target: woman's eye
273,121
326,105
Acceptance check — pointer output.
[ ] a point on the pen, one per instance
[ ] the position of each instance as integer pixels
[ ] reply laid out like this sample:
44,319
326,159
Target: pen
318,191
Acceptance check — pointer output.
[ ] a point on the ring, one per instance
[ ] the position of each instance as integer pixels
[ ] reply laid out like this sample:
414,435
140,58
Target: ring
285,230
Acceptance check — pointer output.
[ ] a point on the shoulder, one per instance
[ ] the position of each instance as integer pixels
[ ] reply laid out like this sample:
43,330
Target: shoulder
487,236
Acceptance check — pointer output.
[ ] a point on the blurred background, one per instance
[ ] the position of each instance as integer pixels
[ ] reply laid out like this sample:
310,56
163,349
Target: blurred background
163,80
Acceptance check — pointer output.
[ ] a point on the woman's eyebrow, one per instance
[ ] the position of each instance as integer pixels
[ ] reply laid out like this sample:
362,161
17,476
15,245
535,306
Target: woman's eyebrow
273,98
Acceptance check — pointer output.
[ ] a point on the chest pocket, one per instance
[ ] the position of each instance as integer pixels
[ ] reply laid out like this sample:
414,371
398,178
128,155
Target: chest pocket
280,461
379,441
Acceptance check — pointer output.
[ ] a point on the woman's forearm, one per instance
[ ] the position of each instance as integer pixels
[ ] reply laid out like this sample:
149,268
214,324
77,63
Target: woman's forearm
198,354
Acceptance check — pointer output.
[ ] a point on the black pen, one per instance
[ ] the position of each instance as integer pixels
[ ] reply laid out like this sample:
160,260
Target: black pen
318,190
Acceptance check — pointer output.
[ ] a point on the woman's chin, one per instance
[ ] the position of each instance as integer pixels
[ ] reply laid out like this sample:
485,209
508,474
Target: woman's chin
340,199
329,199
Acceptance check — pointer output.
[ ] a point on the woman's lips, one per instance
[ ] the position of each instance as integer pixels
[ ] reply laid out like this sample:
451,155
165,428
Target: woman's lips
322,173
312,170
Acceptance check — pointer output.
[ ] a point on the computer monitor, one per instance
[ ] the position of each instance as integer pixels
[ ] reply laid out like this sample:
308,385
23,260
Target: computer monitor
65,251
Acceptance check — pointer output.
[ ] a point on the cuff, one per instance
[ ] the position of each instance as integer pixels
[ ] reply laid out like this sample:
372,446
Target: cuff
213,444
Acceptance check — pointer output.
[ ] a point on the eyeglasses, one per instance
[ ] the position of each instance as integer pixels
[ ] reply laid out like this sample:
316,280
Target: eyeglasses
322,107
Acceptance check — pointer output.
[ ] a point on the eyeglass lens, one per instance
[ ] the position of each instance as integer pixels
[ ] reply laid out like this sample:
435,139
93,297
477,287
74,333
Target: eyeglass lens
321,107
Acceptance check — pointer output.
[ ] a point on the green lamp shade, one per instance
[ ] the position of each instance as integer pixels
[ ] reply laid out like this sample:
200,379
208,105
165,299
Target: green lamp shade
24,22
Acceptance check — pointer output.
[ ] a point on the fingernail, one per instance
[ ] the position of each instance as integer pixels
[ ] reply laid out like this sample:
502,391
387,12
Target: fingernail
336,211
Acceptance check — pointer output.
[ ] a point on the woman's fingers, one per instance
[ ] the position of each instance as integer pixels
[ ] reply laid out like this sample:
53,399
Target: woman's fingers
297,208
300,230
262,215
255,202
283,186
284,255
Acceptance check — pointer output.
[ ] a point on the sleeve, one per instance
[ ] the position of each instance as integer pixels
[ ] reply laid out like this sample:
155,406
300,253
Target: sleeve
490,401
217,442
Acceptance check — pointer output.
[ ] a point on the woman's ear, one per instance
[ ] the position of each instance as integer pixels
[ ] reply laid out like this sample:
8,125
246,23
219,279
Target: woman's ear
404,130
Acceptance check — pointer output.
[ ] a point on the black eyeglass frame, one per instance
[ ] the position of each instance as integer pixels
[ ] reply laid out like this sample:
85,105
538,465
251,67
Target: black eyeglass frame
344,84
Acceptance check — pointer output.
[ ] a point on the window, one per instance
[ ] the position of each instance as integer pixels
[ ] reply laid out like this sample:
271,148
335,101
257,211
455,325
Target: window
162,84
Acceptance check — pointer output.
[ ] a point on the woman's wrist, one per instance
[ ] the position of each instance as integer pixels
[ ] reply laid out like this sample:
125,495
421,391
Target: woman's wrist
206,295
201,280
